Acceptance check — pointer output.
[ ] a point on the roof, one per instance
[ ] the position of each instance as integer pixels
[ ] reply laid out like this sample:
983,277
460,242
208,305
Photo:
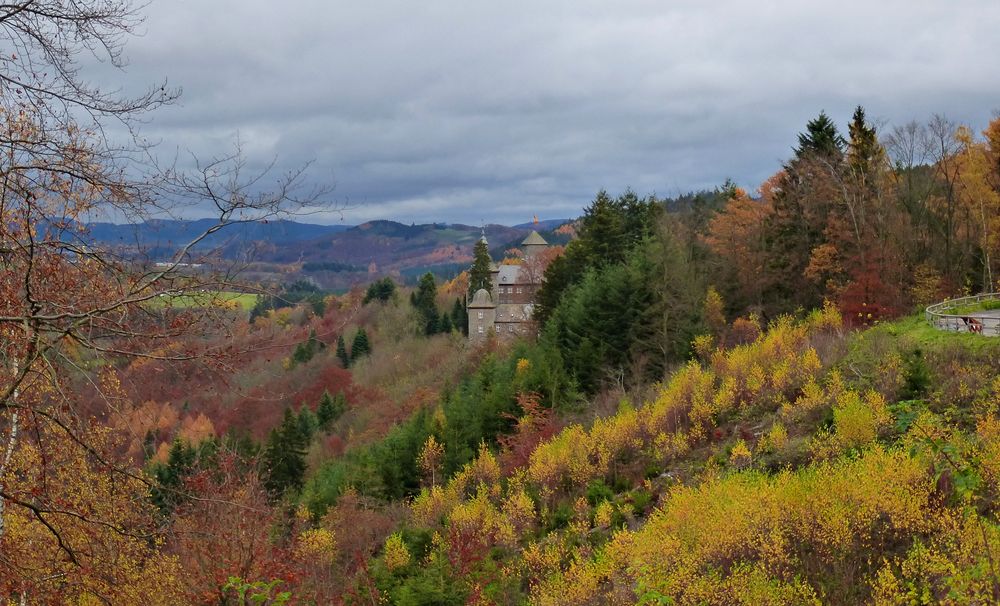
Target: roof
534,239
482,298
509,274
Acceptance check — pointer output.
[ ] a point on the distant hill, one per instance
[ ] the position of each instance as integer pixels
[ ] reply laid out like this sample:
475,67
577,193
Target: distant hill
394,246
336,256
167,235
543,226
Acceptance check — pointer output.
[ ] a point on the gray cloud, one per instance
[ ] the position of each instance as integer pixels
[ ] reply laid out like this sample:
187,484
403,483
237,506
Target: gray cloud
468,111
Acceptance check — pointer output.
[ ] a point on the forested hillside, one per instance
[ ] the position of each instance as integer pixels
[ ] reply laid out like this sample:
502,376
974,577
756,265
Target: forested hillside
725,397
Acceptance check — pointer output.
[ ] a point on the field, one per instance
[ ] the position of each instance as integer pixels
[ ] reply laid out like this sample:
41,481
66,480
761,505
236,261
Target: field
225,298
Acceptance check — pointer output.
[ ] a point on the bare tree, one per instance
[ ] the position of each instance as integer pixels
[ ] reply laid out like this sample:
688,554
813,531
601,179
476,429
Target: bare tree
70,309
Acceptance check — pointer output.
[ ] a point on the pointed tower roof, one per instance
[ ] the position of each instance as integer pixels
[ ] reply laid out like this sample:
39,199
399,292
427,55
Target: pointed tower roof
534,239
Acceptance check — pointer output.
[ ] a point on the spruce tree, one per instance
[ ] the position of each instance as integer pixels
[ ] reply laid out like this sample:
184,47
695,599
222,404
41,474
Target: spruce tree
444,324
424,300
821,137
602,231
380,290
307,423
360,346
864,150
170,476
284,456
479,273
459,317
329,410
305,351
345,361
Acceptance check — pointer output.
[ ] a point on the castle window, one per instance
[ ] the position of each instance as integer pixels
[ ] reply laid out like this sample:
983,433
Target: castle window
510,328
480,328
480,317
518,290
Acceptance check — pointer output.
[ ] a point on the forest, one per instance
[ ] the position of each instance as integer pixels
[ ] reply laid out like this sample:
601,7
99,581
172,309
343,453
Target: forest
733,396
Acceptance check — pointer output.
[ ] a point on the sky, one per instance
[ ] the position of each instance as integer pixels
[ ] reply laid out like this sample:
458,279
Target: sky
495,112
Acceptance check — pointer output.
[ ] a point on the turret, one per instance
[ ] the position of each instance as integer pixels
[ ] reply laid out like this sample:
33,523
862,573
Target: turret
533,244
482,315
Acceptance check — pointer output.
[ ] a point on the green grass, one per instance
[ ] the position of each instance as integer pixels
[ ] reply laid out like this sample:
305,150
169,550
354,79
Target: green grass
974,307
919,331
244,301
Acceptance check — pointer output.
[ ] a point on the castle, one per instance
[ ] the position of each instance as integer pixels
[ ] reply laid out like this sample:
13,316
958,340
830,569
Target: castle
507,307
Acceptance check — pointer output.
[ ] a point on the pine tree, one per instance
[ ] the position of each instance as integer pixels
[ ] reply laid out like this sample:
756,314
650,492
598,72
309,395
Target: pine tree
329,410
307,423
821,136
444,324
360,347
306,351
602,231
284,456
170,476
345,361
459,317
380,290
480,275
424,299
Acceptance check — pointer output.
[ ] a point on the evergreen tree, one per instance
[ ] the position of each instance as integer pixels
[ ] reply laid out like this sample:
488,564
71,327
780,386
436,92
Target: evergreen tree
284,456
170,476
306,351
345,361
380,290
329,410
821,136
479,274
609,229
360,347
444,324
307,423
863,149
460,317
809,191
603,231
424,300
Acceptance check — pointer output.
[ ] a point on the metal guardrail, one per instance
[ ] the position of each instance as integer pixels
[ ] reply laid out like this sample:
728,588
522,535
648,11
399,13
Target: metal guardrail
985,322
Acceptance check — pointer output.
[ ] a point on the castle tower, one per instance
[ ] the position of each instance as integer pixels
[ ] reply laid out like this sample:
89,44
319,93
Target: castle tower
482,315
533,244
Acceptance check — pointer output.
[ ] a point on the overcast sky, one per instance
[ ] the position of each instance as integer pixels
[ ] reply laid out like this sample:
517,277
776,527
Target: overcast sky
465,111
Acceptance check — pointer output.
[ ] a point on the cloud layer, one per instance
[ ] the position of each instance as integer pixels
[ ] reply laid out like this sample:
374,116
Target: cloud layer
470,111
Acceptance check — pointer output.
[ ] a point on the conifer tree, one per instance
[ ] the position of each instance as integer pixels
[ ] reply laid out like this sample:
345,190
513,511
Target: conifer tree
424,299
863,147
329,410
360,347
459,317
602,231
380,290
345,361
444,324
170,475
284,457
821,136
307,423
479,273
305,351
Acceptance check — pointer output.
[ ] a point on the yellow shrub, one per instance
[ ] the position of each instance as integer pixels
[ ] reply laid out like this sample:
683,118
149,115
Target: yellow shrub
774,440
396,553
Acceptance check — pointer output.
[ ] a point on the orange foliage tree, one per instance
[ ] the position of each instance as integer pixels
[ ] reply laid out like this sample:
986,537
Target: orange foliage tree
71,311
